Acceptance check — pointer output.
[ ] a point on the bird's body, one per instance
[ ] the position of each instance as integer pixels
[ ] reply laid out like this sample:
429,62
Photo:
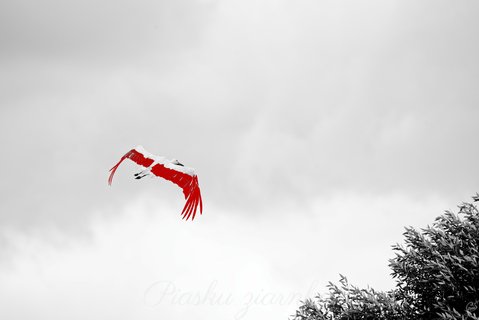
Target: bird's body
172,170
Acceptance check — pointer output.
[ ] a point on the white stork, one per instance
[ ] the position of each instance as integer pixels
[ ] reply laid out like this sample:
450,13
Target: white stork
171,170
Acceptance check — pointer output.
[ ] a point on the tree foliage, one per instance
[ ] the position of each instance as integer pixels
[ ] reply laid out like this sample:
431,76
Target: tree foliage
437,274
349,302
437,271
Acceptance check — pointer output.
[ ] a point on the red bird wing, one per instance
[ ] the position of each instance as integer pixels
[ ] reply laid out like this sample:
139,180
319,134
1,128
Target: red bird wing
187,182
136,157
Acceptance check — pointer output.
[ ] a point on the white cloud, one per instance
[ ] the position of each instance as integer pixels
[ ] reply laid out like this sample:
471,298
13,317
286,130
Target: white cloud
146,263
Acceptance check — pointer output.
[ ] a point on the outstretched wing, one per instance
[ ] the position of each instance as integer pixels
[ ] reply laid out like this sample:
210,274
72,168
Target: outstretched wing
182,176
187,180
134,155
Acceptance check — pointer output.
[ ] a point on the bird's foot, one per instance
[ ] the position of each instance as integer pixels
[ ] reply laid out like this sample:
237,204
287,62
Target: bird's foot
142,174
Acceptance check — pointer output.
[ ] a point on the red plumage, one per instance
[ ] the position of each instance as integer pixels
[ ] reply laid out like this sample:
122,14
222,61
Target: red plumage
180,175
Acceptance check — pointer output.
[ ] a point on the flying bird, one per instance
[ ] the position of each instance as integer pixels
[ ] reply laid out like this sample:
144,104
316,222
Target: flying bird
171,170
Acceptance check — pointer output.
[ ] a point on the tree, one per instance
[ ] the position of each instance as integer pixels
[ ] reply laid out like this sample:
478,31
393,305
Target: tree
349,302
437,271
437,274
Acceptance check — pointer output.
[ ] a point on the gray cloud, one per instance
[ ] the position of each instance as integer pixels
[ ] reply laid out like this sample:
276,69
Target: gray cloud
307,122
291,100
100,31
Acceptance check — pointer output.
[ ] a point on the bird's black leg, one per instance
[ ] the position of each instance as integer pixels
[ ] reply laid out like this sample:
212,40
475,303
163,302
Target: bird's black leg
141,174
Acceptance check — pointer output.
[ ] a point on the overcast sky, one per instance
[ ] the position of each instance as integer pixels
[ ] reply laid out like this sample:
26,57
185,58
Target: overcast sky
319,129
